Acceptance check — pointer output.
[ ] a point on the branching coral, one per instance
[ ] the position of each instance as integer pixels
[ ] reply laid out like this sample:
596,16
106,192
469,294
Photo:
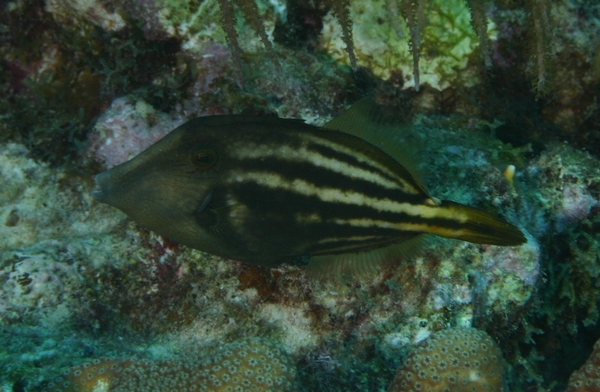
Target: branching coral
479,21
341,9
415,18
537,16
250,12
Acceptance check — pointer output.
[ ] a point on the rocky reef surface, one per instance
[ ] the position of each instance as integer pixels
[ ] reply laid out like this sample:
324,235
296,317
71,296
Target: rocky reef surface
90,84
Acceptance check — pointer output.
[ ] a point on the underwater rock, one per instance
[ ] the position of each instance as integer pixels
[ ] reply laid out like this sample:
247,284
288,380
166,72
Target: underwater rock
567,181
125,129
69,11
567,208
269,89
48,203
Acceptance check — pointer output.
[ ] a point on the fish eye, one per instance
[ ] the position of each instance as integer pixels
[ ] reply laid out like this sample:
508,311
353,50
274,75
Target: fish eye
204,159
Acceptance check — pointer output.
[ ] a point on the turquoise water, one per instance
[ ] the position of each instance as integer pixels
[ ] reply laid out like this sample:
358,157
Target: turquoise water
511,129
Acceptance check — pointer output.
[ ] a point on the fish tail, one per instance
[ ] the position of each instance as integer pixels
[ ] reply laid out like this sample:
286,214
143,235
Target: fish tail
480,227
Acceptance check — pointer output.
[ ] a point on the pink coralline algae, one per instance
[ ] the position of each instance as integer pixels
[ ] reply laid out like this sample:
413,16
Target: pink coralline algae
126,129
565,182
523,262
577,204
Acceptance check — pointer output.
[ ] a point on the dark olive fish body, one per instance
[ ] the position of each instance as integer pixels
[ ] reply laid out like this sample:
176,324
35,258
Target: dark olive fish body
265,190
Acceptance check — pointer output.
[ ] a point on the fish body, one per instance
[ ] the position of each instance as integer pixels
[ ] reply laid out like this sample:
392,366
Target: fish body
266,190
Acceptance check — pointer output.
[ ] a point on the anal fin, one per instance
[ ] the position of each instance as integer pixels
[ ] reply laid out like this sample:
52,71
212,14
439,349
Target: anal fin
366,263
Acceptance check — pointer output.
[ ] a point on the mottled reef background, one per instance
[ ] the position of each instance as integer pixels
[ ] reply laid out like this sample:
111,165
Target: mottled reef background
88,84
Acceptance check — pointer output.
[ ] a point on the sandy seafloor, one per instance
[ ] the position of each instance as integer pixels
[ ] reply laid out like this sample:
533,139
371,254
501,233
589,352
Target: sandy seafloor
87,85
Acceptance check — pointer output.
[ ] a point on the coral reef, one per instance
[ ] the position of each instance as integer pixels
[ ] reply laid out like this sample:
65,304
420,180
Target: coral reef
209,299
86,84
573,196
249,364
455,359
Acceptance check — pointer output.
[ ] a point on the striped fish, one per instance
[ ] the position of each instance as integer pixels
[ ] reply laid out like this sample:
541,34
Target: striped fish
266,190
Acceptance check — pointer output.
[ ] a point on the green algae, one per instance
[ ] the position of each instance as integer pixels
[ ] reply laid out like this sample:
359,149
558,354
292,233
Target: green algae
381,41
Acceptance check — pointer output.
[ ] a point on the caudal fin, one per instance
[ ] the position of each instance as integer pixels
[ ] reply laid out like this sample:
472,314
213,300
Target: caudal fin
481,227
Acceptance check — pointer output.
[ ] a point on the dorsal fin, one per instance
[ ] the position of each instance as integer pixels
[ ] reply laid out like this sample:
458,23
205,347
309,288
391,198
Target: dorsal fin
376,125
367,263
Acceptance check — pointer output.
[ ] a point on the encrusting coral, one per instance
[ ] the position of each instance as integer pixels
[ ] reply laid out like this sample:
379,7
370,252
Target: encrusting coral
452,360
250,365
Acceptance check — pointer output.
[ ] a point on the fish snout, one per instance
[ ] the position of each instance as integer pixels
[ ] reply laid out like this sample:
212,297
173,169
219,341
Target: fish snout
101,187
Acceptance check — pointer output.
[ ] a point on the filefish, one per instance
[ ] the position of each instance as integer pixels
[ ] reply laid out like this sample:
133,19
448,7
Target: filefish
267,190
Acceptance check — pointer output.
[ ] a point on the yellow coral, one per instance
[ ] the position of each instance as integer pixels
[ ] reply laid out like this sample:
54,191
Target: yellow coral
452,360
250,364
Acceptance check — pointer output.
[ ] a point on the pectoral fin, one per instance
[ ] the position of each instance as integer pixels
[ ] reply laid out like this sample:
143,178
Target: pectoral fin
219,222
204,205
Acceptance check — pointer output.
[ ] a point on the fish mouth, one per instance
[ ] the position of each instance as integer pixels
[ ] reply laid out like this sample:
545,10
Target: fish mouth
101,187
